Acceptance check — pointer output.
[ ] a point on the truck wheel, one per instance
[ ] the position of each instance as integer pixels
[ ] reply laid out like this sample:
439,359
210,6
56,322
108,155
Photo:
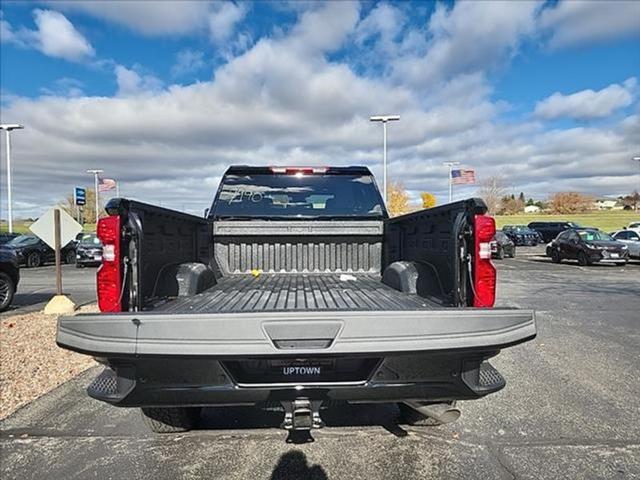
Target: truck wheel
555,256
412,417
170,419
7,290
34,260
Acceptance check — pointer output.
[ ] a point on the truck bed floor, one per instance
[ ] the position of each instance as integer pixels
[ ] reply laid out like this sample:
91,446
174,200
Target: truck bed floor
310,292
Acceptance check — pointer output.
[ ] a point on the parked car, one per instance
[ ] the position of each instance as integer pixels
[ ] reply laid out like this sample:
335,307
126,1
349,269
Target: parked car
550,230
297,290
635,226
588,246
7,237
521,235
33,252
502,246
88,251
9,276
631,239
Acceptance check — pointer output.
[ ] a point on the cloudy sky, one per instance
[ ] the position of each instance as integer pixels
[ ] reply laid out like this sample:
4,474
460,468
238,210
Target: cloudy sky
163,96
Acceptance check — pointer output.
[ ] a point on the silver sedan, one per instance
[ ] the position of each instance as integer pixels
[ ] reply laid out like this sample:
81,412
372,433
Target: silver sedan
631,239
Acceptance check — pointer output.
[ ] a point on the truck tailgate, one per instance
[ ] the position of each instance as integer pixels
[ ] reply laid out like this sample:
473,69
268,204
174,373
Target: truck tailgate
294,332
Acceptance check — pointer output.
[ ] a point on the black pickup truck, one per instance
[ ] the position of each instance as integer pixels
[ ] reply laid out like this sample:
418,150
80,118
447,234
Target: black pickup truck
297,291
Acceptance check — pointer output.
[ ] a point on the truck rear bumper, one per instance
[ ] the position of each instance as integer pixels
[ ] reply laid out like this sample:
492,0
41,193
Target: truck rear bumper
234,359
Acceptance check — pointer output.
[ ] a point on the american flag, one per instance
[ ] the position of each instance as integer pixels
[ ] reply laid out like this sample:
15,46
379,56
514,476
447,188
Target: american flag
106,184
463,177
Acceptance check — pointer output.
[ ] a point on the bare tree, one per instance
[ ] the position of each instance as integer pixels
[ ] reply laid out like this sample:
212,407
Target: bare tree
492,191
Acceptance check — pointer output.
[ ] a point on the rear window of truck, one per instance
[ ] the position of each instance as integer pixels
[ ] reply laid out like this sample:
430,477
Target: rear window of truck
298,196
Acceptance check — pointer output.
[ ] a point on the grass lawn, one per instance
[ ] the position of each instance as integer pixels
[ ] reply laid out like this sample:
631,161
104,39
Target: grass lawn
604,220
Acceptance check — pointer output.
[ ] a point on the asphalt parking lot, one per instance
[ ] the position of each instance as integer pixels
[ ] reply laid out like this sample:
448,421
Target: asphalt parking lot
38,285
571,409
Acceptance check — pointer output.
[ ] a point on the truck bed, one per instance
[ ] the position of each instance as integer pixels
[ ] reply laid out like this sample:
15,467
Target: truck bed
297,291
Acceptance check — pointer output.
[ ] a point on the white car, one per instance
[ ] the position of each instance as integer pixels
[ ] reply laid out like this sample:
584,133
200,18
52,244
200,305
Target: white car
631,238
635,226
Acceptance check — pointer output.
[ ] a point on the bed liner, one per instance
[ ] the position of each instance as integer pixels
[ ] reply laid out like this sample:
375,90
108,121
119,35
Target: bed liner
297,292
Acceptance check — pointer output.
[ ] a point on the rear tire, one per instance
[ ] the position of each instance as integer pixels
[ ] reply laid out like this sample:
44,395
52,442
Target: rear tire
513,252
412,417
170,419
7,291
500,253
555,256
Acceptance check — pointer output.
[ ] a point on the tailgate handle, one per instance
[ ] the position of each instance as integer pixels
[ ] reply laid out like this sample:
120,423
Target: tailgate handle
312,334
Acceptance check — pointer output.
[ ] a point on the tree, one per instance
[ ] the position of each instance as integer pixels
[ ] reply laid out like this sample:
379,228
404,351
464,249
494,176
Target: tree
570,202
492,191
428,200
632,200
398,199
88,210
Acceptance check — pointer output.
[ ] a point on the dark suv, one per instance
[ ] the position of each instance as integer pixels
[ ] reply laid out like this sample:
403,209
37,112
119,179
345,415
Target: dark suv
550,230
522,235
33,252
9,277
588,246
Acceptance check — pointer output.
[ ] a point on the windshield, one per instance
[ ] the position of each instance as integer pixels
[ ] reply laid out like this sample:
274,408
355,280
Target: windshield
594,235
298,196
22,240
89,240
634,225
517,228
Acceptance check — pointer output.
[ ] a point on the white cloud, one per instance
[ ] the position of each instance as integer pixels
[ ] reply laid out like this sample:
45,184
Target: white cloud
576,22
588,104
188,61
223,20
283,101
467,38
130,82
55,36
65,87
147,17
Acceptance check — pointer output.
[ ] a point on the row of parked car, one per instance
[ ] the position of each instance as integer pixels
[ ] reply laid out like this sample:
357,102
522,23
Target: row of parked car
32,252
18,250
567,240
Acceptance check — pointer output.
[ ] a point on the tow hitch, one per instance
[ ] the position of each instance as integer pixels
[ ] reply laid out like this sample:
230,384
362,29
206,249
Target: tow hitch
302,414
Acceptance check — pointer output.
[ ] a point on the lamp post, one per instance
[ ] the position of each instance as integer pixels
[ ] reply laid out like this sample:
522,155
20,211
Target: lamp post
637,159
8,127
95,184
384,119
450,165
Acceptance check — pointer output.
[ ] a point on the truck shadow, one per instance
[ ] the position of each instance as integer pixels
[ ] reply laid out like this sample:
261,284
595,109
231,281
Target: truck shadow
344,415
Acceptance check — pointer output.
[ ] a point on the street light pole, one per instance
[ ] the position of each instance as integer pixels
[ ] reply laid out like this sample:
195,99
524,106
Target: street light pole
637,159
97,195
450,165
8,127
384,119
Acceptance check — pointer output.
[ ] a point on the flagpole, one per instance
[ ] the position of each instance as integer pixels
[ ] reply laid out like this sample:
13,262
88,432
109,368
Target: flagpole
95,185
450,165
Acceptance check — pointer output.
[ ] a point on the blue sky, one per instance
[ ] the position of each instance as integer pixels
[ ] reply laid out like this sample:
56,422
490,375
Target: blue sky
164,95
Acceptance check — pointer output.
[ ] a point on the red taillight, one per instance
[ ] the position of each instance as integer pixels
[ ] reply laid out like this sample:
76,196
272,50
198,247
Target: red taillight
484,281
109,276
